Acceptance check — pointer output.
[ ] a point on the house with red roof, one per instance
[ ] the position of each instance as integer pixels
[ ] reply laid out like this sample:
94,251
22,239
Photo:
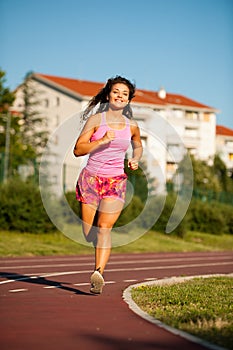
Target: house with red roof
170,125
224,146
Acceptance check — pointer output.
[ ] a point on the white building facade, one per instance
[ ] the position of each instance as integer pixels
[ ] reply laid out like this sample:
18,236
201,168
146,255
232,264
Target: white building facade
224,146
170,125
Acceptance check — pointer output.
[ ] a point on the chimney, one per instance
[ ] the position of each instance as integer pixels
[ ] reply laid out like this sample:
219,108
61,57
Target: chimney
162,93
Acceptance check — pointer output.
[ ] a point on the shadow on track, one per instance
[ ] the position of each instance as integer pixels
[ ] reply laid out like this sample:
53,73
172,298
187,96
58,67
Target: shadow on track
41,280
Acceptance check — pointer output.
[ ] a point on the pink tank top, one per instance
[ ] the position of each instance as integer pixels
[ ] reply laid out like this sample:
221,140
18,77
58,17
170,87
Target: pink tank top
108,160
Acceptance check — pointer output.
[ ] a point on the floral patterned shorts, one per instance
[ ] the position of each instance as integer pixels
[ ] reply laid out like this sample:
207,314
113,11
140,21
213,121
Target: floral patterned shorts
90,189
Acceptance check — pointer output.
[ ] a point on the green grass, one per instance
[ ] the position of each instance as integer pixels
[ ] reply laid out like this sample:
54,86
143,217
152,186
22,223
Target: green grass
202,307
14,244
29,244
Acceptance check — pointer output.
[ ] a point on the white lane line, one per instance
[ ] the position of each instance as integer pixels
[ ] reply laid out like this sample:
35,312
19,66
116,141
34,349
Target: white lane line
42,275
51,287
88,283
18,290
20,279
117,256
42,265
65,273
7,281
130,280
141,268
165,267
139,261
55,258
145,268
150,279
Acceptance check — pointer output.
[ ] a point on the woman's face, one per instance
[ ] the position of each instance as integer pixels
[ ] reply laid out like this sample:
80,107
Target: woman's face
119,96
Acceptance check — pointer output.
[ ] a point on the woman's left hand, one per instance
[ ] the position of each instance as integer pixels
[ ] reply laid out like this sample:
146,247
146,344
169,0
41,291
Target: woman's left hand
133,164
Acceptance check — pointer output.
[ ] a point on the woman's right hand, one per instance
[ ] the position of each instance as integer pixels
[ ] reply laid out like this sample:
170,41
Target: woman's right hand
108,137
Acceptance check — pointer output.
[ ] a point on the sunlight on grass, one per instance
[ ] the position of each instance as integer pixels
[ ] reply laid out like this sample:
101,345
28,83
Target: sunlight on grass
202,307
30,244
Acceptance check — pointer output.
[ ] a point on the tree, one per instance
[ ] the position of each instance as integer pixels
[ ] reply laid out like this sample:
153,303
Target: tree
6,122
204,176
207,183
6,96
141,182
33,126
26,132
220,170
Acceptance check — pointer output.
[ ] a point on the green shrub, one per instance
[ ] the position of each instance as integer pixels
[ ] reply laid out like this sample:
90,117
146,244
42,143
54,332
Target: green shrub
130,212
74,205
22,208
227,213
206,217
214,217
156,215
161,224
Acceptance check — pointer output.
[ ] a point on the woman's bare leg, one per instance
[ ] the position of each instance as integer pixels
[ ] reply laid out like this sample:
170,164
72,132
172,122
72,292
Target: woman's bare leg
88,222
109,211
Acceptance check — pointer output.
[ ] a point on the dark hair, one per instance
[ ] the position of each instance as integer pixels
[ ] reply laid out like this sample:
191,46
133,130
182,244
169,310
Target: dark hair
103,94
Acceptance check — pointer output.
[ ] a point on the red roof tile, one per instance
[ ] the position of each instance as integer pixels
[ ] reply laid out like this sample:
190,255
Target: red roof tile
175,99
82,87
222,130
89,88
148,97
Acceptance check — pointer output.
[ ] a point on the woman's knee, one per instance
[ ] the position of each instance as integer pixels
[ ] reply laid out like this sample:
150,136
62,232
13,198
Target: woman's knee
103,225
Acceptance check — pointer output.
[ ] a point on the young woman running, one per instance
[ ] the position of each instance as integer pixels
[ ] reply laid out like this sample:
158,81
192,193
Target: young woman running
101,186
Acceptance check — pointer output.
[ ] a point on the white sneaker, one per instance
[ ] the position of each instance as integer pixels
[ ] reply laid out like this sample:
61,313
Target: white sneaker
97,283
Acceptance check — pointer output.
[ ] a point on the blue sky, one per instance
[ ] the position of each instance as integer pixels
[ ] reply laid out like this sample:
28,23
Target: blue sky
186,46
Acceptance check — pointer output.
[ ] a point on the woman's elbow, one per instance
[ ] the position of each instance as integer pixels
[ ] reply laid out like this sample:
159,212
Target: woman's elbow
76,152
79,152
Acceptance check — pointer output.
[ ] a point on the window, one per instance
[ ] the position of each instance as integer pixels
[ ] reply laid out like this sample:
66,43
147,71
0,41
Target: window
178,113
229,143
57,120
55,179
230,156
171,167
192,150
191,115
191,132
206,117
46,103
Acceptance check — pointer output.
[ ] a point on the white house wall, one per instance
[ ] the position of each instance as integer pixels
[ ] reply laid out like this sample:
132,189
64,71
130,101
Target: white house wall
224,148
207,137
164,134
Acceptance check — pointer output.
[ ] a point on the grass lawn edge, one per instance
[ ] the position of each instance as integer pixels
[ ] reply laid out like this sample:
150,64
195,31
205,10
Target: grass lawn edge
169,281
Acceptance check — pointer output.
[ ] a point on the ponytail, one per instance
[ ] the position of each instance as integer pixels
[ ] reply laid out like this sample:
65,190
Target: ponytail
102,98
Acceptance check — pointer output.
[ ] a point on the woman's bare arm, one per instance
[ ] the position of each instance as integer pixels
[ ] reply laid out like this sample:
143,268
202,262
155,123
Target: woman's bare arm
137,147
83,145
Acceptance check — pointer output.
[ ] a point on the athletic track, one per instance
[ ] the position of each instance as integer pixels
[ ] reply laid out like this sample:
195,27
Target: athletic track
45,302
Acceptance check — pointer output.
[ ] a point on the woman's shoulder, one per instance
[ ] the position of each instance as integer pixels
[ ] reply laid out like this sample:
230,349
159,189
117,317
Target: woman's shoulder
94,119
92,123
133,123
